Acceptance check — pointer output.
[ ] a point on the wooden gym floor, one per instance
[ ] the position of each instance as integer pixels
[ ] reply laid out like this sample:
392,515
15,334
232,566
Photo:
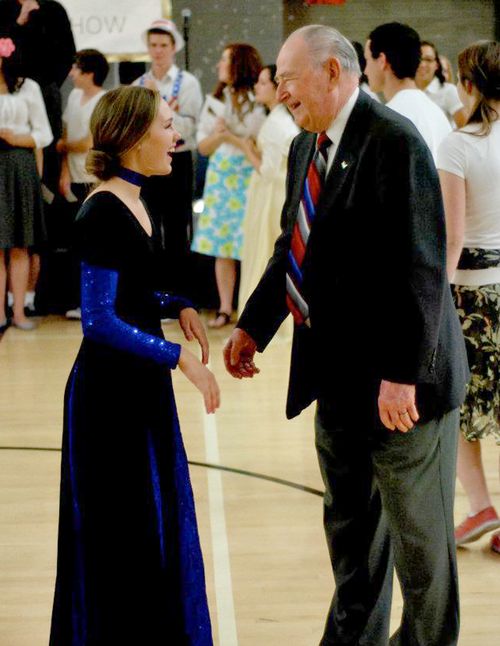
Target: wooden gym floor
268,576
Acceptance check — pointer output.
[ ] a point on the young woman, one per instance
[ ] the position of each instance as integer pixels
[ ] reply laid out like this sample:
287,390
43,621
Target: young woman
266,192
221,135
24,127
469,167
431,80
129,567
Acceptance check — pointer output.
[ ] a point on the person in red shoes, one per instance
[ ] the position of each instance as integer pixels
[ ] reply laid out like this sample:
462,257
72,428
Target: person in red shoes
469,168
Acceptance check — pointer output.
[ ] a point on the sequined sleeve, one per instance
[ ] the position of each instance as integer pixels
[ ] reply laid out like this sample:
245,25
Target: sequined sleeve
171,305
100,322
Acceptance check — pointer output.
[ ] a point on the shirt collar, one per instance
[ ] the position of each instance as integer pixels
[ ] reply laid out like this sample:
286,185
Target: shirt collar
337,127
170,76
434,86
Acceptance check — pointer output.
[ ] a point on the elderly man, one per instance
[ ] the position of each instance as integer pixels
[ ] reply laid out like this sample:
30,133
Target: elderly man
361,266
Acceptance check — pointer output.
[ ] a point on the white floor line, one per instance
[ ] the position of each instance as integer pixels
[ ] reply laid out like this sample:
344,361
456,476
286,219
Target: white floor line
222,567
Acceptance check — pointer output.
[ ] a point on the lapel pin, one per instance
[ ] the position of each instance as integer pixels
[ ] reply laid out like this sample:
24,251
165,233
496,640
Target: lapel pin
344,165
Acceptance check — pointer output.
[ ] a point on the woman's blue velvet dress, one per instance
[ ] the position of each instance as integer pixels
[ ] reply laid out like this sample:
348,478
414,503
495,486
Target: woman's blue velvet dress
129,568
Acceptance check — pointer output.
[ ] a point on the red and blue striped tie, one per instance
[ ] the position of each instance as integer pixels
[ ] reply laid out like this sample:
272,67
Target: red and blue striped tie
313,185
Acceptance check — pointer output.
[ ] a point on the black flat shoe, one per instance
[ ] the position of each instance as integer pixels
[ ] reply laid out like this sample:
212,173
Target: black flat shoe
221,320
4,326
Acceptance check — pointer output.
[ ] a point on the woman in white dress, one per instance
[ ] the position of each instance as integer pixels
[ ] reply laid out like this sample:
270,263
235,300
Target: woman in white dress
266,193
24,127
431,80
469,169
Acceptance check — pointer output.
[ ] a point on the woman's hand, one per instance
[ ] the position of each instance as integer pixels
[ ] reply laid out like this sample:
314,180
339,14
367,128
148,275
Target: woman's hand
64,183
234,140
250,146
193,328
7,135
202,378
252,153
220,125
61,146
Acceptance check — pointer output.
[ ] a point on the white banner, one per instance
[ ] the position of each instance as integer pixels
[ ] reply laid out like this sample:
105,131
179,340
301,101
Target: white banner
112,26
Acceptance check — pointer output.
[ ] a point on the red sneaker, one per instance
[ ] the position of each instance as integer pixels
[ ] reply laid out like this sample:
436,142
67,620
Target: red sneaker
473,527
495,542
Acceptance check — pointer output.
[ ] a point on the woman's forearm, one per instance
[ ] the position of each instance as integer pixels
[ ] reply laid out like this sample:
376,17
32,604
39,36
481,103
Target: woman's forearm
210,144
454,248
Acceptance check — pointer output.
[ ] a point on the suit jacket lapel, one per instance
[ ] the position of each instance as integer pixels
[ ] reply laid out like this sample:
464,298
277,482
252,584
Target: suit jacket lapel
303,155
345,157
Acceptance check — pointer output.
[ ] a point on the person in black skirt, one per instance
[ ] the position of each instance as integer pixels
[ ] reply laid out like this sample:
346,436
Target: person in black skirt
24,126
129,568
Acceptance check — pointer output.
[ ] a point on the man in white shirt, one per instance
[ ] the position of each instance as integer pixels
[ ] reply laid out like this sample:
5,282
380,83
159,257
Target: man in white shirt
88,73
392,54
169,198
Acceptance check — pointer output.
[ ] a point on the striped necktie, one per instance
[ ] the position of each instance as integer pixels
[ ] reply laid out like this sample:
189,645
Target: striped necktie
313,184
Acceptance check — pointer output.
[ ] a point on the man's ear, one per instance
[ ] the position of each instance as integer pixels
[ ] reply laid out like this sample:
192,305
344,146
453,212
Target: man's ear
333,67
383,62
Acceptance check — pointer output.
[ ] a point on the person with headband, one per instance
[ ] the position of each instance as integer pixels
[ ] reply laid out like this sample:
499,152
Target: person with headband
129,565
469,168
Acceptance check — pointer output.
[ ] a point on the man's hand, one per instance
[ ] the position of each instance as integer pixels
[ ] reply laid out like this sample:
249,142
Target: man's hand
238,355
193,328
396,405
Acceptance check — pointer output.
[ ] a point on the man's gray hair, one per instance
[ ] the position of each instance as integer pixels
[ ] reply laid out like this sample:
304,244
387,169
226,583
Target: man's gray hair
326,42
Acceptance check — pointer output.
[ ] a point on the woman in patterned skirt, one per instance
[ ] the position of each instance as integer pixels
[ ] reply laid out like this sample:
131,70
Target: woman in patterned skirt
228,117
469,167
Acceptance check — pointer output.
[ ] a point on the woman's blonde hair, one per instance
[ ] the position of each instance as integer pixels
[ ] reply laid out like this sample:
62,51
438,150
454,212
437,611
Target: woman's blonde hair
480,64
120,120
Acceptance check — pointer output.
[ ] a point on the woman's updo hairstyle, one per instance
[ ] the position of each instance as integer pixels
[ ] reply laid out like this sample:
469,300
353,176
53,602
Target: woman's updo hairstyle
480,64
120,120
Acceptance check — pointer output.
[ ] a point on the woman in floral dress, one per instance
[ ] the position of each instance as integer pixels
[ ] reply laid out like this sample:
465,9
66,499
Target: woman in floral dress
229,116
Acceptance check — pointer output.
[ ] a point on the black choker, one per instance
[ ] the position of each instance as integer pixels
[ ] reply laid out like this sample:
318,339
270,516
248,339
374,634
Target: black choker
131,176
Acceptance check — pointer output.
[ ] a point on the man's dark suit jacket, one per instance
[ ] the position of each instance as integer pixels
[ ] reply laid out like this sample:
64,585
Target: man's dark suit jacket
374,273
